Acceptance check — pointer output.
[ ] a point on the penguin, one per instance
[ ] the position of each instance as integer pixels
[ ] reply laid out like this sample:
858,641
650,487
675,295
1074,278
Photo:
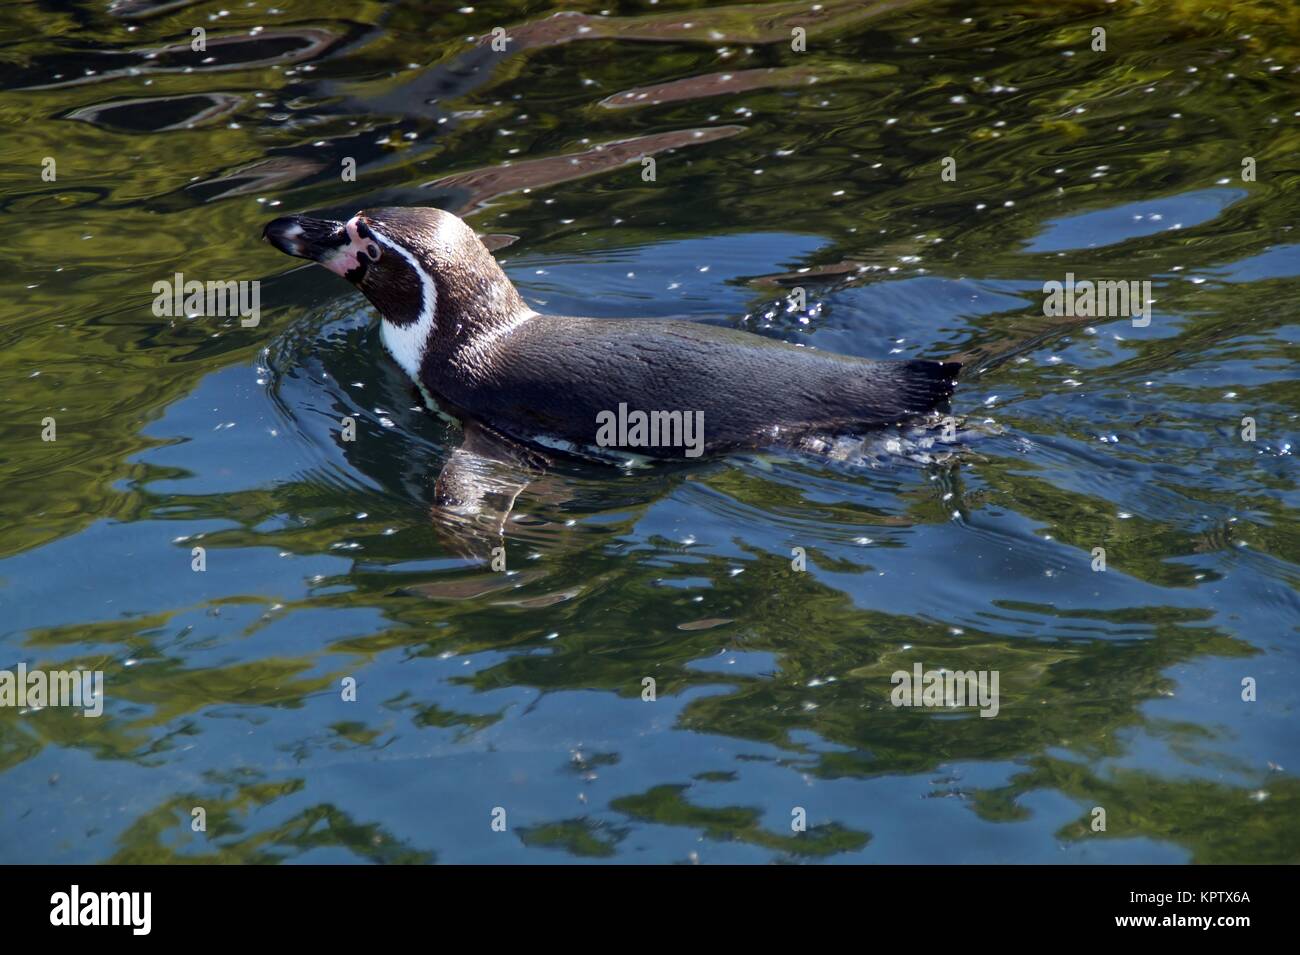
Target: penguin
657,388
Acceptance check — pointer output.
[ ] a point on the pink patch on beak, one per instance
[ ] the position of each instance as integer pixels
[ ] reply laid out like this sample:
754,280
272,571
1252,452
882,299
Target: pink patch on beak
347,258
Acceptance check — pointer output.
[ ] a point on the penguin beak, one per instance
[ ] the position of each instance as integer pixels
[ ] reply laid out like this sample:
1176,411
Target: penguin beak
305,237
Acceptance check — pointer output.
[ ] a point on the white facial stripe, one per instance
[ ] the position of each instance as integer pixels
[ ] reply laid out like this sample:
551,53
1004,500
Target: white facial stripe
408,343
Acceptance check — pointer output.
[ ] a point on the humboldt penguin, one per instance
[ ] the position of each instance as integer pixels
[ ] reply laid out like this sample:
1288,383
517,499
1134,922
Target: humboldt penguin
660,388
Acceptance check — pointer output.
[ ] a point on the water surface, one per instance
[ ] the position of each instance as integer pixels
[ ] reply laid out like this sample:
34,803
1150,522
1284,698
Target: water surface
775,169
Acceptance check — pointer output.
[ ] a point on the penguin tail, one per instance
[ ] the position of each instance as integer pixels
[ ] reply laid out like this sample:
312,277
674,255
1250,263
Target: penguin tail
918,387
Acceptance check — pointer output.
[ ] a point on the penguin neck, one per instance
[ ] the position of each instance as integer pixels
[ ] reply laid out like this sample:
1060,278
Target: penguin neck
477,305
467,308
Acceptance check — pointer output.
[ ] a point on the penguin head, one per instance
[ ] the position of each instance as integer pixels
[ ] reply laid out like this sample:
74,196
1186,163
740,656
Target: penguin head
426,272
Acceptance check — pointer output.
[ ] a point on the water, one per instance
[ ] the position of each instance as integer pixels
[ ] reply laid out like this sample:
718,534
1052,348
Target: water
476,690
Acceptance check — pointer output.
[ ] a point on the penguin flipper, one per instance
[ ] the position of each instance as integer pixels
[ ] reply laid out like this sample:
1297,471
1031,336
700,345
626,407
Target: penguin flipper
478,486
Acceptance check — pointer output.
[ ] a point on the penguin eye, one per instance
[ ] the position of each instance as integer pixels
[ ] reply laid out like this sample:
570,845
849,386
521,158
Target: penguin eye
372,252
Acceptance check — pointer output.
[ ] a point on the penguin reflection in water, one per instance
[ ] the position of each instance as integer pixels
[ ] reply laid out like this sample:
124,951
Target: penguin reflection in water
524,384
